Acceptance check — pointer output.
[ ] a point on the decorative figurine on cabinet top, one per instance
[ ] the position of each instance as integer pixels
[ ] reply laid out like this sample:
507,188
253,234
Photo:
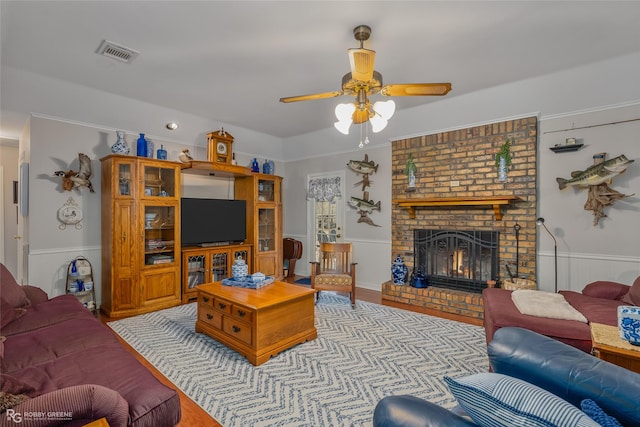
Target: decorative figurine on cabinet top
120,146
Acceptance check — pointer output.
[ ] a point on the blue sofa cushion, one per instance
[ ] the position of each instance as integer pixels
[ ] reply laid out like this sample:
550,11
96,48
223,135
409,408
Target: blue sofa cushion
498,400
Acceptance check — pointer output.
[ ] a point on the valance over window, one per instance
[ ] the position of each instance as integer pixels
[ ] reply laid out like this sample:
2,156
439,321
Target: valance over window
324,189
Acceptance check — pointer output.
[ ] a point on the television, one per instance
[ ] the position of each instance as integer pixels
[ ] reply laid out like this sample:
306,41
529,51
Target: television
210,222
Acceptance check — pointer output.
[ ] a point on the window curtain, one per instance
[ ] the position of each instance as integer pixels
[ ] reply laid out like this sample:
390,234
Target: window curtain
324,189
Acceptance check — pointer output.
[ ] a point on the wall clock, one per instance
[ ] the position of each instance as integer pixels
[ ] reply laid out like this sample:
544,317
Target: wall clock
70,214
219,147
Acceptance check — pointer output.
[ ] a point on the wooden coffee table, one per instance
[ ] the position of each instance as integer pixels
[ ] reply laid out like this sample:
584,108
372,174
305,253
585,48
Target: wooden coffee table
607,345
257,323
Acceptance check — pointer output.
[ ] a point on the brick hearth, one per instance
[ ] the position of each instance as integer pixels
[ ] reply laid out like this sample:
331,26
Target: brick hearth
451,304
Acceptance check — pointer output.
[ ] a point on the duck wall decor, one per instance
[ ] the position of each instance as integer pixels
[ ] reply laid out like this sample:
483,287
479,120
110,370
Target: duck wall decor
72,179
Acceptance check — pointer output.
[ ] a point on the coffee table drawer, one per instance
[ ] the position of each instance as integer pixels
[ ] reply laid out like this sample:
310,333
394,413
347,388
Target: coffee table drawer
205,299
222,305
241,313
238,330
208,315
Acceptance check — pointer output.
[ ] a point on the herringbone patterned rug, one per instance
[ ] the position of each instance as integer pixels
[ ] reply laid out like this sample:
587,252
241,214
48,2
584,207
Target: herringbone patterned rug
359,357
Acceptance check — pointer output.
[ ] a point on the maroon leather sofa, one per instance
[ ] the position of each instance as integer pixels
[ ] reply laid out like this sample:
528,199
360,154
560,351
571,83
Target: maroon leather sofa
598,303
59,362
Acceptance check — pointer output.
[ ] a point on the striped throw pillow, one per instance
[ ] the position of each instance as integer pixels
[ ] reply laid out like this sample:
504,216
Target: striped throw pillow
498,400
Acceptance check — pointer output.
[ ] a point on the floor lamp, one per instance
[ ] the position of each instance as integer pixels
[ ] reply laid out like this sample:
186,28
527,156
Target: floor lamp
540,222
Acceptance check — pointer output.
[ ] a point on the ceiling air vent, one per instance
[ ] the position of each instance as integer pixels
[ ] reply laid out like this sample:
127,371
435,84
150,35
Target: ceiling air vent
117,52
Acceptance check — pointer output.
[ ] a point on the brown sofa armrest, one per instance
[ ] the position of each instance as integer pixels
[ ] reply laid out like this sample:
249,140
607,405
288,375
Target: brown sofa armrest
82,402
606,290
35,294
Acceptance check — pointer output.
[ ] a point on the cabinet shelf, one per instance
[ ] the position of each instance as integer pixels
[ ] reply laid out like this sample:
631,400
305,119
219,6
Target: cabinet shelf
199,167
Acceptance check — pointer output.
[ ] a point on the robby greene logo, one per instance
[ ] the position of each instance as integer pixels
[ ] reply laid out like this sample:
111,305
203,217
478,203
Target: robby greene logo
18,417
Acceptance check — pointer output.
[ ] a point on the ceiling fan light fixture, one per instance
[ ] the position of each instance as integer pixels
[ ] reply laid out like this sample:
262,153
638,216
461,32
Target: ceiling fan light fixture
385,108
343,126
345,111
377,123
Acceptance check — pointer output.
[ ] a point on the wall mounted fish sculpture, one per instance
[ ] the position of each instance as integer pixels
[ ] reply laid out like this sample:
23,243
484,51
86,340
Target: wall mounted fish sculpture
363,166
596,174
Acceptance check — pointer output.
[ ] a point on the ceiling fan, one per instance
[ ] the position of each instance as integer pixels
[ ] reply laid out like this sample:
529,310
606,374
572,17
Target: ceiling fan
362,82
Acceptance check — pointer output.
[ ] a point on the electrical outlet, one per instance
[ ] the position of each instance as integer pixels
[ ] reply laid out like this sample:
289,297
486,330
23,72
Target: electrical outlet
455,183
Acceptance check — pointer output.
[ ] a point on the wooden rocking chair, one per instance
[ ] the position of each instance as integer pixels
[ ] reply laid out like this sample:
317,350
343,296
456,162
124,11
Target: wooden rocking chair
335,271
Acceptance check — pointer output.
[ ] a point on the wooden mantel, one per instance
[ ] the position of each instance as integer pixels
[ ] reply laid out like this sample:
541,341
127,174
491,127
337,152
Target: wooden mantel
493,201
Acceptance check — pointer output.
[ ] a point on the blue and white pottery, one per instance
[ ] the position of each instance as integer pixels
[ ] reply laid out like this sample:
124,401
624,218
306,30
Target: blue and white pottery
399,271
239,269
629,323
120,147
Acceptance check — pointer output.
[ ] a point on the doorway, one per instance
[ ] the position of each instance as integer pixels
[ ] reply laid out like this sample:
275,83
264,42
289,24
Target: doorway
325,210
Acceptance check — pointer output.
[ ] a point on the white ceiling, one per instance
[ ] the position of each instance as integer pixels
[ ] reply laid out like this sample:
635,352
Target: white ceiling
233,60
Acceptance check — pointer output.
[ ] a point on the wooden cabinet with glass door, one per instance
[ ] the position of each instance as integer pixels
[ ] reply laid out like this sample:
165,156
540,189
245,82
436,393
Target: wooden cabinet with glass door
140,235
206,265
262,193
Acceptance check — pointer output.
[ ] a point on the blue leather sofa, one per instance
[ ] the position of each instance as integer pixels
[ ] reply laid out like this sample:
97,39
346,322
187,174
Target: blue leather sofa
565,371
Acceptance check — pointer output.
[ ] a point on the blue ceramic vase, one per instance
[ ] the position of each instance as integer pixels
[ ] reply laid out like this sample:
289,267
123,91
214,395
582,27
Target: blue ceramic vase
399,271
629,323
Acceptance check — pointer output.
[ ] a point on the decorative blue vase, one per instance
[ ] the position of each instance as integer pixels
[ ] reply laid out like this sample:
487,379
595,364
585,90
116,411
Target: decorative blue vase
629,323
141,146
419,278
239,269
255,167
162,153
120,147
399,271
266,167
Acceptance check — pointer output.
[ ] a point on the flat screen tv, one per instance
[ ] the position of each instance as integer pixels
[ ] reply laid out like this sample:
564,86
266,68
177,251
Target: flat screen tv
205,222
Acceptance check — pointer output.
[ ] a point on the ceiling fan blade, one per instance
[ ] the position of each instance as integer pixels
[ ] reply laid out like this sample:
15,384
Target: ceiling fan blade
312,96
416,89
361,61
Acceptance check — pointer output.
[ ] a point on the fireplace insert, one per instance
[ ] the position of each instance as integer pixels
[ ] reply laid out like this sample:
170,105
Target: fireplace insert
461,260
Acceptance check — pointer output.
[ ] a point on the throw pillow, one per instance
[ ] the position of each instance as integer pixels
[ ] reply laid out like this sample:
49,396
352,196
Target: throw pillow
10,290
499,400
596,413
605,289
633,296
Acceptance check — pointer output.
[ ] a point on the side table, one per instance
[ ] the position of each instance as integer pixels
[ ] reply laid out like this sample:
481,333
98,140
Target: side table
607,345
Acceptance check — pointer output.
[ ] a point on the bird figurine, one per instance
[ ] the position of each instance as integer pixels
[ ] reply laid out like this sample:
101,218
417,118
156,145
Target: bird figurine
72,179
184,156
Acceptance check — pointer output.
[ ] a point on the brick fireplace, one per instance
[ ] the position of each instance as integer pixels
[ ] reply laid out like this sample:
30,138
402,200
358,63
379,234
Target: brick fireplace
461,164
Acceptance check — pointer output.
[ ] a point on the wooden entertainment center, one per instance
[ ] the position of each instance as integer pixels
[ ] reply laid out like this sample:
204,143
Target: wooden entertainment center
143,266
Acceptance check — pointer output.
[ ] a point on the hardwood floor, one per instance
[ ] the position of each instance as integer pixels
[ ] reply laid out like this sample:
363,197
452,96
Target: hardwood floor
192,413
